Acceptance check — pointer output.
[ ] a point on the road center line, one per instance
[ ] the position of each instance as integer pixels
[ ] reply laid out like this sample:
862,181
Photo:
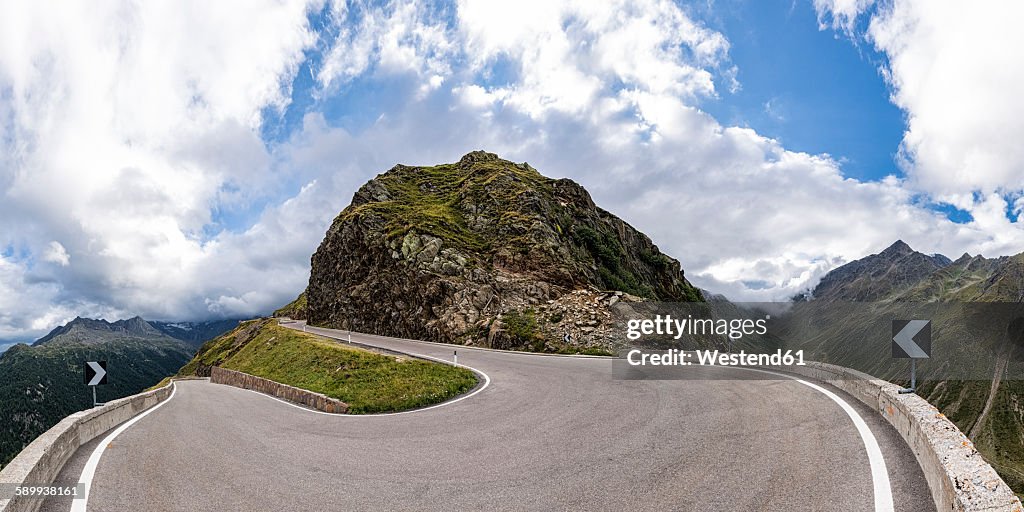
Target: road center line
879,472
89,471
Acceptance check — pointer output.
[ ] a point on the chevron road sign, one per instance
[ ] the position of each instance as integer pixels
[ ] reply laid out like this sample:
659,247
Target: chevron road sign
911,339
95,373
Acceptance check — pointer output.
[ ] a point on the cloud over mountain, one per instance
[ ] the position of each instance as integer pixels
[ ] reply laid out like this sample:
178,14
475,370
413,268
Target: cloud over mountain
183,162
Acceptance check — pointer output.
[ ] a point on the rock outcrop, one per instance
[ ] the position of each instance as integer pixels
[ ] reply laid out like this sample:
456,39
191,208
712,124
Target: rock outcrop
486,252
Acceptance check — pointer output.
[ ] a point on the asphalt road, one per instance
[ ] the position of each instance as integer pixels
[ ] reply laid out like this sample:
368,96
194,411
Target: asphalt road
548,433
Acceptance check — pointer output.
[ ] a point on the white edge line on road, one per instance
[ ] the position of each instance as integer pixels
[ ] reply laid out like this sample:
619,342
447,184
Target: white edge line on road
89,471
879,472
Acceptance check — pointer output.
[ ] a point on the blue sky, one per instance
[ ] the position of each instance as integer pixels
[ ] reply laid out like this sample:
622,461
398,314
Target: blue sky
818,93
187,168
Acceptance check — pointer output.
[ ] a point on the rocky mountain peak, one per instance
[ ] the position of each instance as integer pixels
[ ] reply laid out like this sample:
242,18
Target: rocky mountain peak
478,156
137,326
450,252
898,267
897,249
92,331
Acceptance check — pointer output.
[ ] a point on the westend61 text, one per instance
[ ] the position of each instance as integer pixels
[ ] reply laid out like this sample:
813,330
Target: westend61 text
675,357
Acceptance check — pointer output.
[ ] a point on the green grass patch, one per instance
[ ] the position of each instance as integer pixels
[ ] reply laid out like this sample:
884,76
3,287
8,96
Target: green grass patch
295,309
522,327
427,199
608,254
593,351
368,381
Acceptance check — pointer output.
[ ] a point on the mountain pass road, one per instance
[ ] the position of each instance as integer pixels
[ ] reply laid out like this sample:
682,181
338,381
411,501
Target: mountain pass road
547,433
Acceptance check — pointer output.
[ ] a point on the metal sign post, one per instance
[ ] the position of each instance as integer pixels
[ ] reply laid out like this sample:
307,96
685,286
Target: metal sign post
911,339
95,375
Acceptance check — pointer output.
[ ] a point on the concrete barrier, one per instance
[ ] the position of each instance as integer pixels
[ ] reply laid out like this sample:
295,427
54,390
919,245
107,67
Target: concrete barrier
959,478
43,459
268,387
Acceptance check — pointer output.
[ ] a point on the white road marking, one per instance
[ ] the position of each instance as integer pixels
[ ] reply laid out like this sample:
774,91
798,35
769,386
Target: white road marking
879,472
89,471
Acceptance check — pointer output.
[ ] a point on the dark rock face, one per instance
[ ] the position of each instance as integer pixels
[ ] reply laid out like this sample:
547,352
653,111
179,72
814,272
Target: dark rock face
453,252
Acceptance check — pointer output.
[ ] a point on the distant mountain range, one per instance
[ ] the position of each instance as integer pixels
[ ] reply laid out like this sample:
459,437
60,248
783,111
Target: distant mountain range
42,383
879,275
96,332
195,333
975,375
901,273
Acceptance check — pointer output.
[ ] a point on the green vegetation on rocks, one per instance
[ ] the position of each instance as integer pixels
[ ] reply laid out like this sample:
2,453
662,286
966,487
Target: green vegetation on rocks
296,309
369,382
445,253
523,329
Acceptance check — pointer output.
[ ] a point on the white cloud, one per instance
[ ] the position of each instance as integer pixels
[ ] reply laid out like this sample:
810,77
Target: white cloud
840,14
567,55
956,71
34,302
130,146
56,253
475,96
600,98
398,37
125,127
958,74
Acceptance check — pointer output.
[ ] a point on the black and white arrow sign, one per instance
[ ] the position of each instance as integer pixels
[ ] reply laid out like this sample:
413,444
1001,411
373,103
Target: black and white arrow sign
911,339
95,373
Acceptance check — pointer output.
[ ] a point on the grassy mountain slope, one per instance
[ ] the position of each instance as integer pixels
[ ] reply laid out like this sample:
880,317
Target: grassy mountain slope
368,381
296,309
